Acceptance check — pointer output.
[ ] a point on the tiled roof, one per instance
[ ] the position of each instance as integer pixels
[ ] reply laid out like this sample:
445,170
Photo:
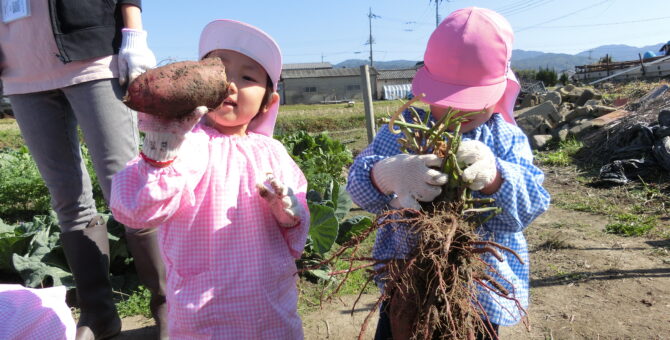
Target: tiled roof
396,74
323,73
306,66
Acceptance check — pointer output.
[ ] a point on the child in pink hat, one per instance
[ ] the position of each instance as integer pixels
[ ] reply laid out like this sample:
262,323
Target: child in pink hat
229,243
467,68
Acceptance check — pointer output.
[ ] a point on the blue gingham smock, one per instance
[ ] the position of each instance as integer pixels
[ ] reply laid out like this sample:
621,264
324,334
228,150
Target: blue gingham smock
521,197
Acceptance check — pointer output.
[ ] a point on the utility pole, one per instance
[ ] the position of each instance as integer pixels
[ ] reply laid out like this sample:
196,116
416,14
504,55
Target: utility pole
437,12
371,40
367,100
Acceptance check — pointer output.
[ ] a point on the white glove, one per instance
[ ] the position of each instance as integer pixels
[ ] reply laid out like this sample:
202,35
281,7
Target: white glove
410,178
164,136
135,57
480,164
283,203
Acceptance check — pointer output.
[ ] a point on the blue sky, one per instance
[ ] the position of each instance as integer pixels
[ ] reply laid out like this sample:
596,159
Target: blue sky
333,31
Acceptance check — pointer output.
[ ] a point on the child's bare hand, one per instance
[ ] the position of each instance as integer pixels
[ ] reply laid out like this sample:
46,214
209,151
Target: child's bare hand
480,164
283,203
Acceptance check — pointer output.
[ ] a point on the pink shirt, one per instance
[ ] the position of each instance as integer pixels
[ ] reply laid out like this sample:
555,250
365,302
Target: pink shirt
28,61
230,267
28,313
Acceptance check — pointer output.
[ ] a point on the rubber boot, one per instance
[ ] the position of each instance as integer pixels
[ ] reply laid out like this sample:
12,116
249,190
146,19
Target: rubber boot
143,245
87,253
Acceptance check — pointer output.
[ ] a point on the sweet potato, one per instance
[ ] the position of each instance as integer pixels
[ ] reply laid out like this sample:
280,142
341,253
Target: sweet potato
176,89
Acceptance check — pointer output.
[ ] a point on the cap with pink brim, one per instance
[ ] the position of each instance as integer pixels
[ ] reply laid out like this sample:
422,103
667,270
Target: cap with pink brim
255,44
467,63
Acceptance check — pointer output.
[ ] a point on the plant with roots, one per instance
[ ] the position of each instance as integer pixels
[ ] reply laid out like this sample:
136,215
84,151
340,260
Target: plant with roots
432,294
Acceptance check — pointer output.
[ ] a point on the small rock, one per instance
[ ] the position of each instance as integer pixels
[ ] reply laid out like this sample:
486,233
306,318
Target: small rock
561,133
554,97
580,129
540,141
592,102
586,95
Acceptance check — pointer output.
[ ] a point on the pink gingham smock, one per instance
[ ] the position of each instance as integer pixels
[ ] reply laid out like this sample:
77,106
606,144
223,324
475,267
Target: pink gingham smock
230,267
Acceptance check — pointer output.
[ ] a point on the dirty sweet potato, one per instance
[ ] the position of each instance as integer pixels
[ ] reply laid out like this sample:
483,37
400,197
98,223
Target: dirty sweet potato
174,90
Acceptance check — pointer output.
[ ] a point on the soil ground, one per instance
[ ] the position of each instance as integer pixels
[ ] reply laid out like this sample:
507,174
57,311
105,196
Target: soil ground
586,285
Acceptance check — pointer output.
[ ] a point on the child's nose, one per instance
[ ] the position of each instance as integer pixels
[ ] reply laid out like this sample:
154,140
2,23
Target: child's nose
232,88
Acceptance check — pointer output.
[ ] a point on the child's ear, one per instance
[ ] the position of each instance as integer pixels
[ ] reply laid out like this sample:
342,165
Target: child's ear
274,98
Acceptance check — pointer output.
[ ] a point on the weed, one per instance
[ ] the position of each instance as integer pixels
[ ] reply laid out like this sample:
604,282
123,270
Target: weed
631,225
555,242
585,203
136,304
560,153
11,139
559,271
23,192
311,293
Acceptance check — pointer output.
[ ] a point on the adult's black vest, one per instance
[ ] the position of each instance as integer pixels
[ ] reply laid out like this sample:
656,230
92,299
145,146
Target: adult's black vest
85,29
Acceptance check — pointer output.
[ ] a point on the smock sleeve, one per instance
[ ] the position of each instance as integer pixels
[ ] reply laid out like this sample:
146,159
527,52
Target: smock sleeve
359,183
144,196
293,177
521,195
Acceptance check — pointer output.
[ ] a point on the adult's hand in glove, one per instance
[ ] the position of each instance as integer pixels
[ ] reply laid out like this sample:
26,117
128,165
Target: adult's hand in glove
480,163
164,136
135,57
283,203
410,177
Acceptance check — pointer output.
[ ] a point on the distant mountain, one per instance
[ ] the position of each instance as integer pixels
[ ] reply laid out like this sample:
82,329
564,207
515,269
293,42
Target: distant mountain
619,52
533,60
380,65
522,54
557,61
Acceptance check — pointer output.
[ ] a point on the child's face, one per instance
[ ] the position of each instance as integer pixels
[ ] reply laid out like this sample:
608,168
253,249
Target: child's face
471,123
248,81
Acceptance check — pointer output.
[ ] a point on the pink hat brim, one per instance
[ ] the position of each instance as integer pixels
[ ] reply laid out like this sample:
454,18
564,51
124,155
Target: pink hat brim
467,97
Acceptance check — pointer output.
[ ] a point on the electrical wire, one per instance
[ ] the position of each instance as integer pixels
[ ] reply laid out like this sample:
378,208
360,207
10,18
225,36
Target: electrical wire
526,8
606,23
562,16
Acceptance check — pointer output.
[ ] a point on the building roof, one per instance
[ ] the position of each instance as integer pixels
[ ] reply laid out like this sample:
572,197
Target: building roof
306,66
397,74
324,73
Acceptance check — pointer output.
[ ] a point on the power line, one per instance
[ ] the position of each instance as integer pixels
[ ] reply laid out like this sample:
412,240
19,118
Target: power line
526,8
511,6
606,23
562,16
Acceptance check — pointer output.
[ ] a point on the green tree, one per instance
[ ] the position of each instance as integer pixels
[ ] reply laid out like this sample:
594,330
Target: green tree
547,76
564,79
525,74
607,59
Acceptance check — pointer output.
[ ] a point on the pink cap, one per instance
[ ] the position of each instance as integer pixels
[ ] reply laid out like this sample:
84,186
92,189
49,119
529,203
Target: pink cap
255,44
467,63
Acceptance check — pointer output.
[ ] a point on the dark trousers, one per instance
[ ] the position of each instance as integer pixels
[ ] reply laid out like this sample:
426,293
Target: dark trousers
384,327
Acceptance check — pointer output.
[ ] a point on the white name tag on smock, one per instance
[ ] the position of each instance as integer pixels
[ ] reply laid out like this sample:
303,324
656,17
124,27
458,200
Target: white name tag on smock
15,9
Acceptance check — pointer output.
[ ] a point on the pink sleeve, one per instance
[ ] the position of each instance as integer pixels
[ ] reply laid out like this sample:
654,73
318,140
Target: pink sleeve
297,236
145,197
35,313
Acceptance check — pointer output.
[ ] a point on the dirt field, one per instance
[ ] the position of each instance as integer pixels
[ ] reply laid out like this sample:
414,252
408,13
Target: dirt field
586,284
